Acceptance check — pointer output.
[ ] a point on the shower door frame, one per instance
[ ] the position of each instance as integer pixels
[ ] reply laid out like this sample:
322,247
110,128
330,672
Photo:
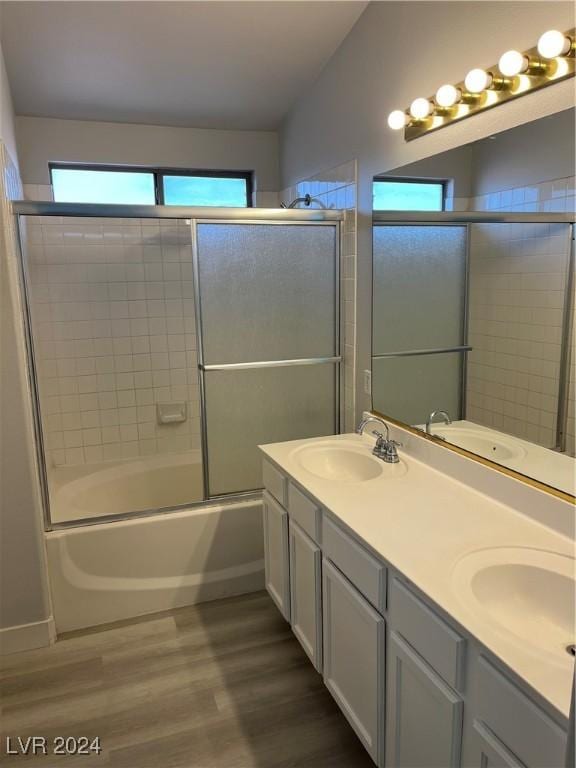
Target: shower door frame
23,208
335,360
468,218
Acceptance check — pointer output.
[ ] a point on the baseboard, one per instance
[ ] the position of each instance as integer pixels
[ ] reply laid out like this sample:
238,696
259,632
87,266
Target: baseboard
26,637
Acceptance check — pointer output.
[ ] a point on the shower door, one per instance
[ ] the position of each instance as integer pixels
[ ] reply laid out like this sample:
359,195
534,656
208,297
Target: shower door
267,315
111,323
419,335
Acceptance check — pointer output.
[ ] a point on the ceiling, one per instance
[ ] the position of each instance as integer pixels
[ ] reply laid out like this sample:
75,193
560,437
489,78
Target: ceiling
229,65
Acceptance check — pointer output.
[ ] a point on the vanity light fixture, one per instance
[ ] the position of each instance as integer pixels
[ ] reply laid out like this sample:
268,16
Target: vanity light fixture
398,120
421,108
517,73
554,43
478,80
513,63
447,96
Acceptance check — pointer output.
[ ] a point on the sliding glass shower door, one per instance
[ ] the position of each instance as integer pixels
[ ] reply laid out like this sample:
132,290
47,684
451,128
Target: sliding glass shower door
419,319
267,314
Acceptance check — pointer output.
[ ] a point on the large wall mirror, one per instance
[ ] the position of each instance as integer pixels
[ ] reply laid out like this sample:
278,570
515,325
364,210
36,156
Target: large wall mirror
473,329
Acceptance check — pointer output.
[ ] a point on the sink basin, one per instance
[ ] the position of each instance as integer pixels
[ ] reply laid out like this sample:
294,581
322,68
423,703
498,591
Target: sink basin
527,594
482,443
331,460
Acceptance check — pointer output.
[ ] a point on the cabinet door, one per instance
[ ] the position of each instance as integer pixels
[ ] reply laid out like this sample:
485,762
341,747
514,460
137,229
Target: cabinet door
488,751
276,554
354,640
424,714
306,593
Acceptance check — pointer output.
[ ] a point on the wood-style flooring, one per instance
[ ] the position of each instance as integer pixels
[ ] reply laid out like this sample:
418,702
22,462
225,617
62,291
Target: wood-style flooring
217,685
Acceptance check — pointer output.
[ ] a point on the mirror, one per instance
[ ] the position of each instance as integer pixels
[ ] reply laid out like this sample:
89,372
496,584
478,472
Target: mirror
473,298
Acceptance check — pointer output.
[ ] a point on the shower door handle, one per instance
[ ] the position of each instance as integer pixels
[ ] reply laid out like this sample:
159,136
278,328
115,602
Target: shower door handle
269,364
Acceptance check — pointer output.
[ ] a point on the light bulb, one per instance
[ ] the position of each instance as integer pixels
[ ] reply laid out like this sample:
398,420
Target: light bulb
512,63
554,43
478,80
397,120
448,95
421,108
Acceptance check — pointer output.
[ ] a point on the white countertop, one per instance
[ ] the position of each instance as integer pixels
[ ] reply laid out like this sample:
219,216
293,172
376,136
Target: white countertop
422,523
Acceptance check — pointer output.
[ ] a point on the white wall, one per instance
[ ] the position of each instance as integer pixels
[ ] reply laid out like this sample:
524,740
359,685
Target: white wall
42,140
7,132
24,601
395,52
549,143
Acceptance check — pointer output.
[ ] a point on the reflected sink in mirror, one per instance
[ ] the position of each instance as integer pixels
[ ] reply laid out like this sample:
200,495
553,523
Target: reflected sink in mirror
482,443
529,594
329,460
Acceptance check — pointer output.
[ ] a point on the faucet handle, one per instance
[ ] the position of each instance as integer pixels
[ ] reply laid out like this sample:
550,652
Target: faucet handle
380,445
390,454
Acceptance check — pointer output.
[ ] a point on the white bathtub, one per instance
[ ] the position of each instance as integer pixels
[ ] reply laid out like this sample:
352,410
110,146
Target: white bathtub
152,482
117,570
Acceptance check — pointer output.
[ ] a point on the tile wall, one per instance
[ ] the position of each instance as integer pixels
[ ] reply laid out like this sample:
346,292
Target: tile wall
336,188
114,331
518,277
557,195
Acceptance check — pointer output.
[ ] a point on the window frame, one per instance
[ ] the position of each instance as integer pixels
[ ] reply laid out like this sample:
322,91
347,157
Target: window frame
443,183
158,175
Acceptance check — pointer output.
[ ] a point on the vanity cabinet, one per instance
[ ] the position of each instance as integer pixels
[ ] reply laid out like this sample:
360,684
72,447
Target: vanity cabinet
419,691
425,715
276,554
306,592
511,724
489,752
354,658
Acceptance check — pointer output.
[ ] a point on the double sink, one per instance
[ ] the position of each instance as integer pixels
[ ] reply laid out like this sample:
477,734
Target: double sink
525,593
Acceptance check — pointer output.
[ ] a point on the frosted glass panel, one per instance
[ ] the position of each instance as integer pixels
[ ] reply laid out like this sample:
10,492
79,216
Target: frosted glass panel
410,388
419,287
114,342
268,291
248,408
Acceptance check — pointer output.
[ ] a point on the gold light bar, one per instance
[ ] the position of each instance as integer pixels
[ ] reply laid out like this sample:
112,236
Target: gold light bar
524,72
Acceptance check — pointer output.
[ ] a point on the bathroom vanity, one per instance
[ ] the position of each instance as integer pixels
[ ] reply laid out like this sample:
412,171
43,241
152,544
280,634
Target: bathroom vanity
438,615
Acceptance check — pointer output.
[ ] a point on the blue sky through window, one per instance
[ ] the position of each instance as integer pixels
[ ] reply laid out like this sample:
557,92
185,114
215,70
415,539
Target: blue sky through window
79,185
72,185
205,190
407,196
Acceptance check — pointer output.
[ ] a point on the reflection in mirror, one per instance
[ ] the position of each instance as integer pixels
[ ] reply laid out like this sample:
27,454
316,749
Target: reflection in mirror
473,308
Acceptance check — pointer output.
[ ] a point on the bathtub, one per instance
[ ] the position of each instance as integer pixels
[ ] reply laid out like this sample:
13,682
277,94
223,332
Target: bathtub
109,571
93,490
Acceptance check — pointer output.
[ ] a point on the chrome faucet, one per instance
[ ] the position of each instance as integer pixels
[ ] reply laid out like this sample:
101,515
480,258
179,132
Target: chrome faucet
385,448
445,418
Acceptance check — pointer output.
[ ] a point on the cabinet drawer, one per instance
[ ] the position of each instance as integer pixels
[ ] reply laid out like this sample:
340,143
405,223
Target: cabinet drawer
366,573
517,721
428,634
275,482
305,512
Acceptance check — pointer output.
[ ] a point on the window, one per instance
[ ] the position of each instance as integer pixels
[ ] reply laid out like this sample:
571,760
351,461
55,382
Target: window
185,189
150,186
408,195
76,185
